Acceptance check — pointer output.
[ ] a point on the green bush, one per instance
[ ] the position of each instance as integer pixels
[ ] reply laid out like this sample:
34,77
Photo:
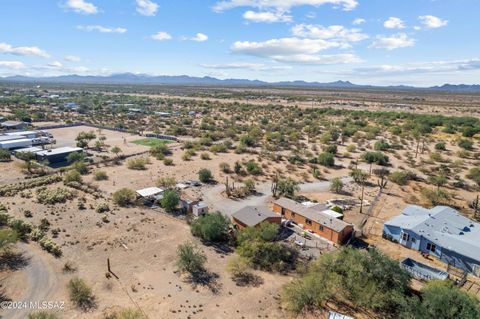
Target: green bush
205,175
326,159
402,177
100,176
211,228
5,155
170,200
72,176
42,315
124,197
80,294
253,168
190,259
139,164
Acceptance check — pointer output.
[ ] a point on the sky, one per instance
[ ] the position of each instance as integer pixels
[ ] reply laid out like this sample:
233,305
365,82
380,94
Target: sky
378,42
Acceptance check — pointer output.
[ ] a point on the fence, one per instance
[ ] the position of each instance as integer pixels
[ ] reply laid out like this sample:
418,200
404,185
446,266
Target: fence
104,127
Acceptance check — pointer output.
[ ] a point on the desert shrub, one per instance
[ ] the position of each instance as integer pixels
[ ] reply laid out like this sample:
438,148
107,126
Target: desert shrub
474,175
72,176
205,175
326,159
100,176
190,259
7,237
332,149
80,294
42,315
351,148
375,157
166,182
102,208
285,187
465,144
225,167
253,168
124,197
336,185
435,197
53,195
205,156
402,177
13,189
170,200
80,167
168,162
160,151
138,163
5,155
50,246
211,228
127,313
441,146
381,145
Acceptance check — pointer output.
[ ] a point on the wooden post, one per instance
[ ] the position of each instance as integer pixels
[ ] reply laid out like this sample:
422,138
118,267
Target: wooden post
110,270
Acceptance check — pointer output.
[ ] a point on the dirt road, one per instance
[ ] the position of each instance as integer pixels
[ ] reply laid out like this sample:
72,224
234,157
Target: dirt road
41,281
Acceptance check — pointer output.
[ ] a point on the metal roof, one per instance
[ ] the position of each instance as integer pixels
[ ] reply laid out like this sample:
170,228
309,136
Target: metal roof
312,214
60,150
253,215
150,191
443,226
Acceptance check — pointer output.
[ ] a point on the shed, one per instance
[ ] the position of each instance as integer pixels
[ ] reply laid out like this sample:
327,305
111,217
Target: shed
150,192
200,209
13,125
57,155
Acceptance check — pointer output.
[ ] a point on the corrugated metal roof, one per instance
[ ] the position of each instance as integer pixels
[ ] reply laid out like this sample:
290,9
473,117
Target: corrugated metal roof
60,150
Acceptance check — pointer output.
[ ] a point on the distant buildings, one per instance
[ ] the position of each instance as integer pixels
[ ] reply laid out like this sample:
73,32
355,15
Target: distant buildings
13,125
317,221
252,216
441,232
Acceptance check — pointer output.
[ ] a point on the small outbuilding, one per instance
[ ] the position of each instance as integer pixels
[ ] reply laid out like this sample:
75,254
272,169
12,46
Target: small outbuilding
13,125
200,209
151,193
252,216
57,155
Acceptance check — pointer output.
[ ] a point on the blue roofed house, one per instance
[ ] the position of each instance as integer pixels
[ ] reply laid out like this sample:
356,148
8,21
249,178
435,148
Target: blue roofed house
441,232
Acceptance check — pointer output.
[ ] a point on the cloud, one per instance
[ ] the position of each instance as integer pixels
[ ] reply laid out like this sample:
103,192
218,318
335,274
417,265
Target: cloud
55,64
335,32
267,16
432,22
420,67
396,41
394,23
246,66
101,29
14,65
282,5
161,36
295,50
147,8
25,51
81,6
358,21
200,37
72,58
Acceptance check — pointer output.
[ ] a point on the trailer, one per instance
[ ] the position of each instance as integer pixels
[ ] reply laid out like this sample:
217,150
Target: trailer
23,143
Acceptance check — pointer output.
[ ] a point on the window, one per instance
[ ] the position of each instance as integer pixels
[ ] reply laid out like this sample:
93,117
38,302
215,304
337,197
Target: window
283,212
431,247
405,236
308,222
413,240
321,228
293,215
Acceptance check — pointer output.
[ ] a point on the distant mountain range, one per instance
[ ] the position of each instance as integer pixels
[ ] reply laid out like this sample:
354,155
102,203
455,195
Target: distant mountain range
130,78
